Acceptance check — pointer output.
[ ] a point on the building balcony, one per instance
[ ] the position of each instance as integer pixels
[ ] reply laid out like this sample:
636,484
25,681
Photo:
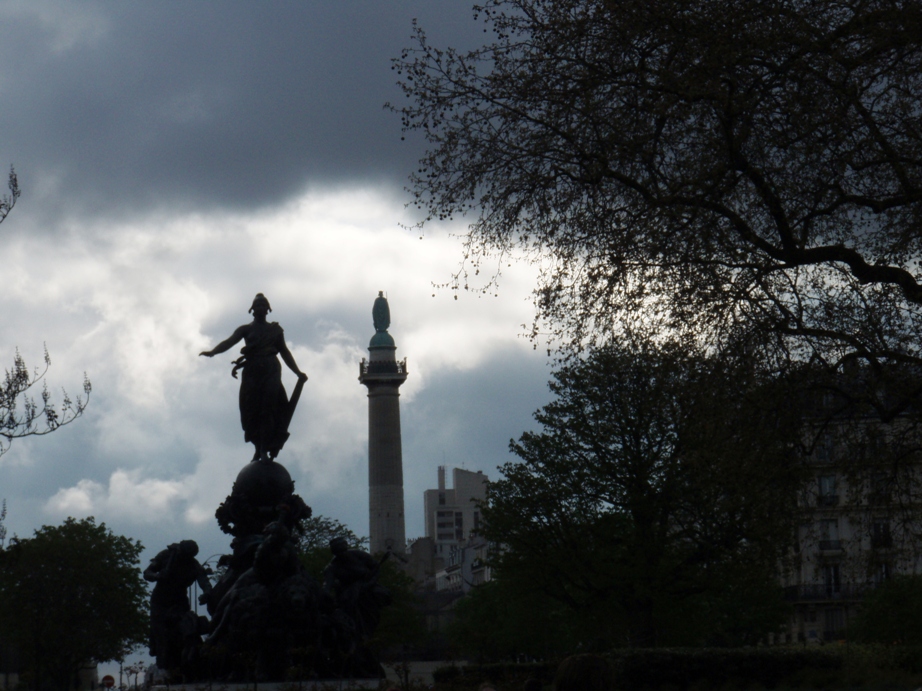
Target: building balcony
825,592
830,545
881,541
827,500
879,499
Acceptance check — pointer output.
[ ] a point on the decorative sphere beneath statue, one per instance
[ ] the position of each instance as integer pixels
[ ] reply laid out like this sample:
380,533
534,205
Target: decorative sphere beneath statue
264,484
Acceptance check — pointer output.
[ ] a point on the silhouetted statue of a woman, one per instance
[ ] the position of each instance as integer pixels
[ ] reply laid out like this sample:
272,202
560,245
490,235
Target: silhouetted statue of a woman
264,408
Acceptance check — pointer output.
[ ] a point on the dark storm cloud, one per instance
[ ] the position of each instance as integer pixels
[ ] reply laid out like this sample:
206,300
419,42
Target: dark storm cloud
131,107
465,418
152,130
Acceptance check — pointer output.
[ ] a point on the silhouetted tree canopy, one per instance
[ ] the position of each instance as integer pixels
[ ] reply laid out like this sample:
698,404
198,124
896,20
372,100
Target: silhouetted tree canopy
656,501
71,595
510,617
735,169
316,532
892,613
401,622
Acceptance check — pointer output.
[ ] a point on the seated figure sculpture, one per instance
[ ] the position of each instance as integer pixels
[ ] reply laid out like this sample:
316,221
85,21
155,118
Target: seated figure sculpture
265,410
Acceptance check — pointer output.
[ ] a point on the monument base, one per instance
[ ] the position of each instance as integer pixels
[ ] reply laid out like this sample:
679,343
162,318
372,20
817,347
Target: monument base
308,685
268,616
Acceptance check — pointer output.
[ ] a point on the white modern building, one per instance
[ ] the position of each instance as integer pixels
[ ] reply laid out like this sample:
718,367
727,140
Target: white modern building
452,514
465,567
453,523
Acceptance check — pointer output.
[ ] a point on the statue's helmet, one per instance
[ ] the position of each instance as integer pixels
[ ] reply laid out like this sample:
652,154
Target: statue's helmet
260,299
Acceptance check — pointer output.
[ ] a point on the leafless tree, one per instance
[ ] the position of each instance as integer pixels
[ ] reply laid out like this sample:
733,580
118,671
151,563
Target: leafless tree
20,414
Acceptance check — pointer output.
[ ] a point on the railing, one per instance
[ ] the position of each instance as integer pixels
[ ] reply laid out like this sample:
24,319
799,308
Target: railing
830,545
881,541
367,367
826,591
827,500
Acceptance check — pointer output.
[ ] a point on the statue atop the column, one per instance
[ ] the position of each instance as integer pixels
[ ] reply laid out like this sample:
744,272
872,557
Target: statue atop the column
265,410
381,313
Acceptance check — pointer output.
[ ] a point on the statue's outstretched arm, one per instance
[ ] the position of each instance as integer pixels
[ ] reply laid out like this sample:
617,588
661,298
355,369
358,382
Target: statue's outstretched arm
289,360
227,343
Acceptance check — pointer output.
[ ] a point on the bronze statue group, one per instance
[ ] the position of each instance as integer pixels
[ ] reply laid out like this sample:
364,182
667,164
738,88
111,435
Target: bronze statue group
268,618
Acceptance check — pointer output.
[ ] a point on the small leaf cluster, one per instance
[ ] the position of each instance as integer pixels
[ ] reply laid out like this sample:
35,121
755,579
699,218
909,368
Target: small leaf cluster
22,416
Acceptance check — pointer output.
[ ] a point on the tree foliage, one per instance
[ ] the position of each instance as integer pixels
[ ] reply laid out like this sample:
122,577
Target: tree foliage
316,532
401,622
892,613
727,168
20,414
314,542
657,499
507,618
72,595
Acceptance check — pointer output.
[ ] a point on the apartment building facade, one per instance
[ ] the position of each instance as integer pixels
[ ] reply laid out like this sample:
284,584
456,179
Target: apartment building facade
859,521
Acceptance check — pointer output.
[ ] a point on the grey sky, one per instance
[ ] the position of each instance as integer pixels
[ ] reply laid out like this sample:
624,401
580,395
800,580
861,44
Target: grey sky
178,157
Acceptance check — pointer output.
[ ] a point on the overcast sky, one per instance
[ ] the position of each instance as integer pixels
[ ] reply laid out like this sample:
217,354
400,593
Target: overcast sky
176,158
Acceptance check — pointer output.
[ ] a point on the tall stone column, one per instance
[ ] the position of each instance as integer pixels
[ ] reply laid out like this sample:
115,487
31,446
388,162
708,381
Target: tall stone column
382,374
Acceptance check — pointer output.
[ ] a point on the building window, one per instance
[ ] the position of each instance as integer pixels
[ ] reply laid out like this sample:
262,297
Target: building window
831,580
823,449
880,488
441,498
881,573
834,623
829,534
880,534
827,490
